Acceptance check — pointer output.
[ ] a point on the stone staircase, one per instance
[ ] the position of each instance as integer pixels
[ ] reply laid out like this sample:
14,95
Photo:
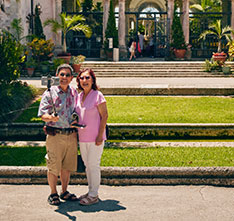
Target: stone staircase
150,69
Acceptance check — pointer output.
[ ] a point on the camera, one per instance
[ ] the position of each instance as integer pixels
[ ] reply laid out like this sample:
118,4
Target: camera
75,117
48,80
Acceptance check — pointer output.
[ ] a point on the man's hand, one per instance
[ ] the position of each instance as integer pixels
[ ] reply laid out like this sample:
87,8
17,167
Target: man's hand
49,118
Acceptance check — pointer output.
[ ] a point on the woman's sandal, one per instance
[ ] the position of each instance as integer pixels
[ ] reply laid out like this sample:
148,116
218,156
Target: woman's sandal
89,200
53,199
83,196
68,196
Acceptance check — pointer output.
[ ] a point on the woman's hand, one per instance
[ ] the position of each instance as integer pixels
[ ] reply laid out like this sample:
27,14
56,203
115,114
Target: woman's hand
99,140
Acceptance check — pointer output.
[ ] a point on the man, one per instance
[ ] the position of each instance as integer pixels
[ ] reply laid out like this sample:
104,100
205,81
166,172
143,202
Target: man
56,108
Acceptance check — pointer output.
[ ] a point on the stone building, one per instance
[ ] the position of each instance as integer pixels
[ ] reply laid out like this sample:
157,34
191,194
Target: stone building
130,13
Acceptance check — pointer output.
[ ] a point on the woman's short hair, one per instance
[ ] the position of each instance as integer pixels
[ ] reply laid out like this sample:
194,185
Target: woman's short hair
63,66
90,71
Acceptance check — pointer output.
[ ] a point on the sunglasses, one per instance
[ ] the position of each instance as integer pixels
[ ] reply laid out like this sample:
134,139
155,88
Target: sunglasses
63,74
85,77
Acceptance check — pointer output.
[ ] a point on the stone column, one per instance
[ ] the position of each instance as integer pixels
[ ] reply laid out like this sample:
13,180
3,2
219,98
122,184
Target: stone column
170,10
185,20
122,31
106,6
232,16
58,10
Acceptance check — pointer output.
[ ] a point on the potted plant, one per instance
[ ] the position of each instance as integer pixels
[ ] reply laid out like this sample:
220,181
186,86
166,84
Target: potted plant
45,66
55,63
66,24
226,68
76,62
30,66
216,30
213,66
111,33
177,43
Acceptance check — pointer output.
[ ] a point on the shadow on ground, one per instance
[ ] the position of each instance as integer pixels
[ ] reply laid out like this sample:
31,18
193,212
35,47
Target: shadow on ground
104,205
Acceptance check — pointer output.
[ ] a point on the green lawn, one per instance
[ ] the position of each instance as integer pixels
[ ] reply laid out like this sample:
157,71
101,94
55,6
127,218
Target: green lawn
148,109
132,157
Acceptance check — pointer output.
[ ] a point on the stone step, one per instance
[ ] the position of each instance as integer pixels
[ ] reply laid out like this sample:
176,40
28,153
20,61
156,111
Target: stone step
152,69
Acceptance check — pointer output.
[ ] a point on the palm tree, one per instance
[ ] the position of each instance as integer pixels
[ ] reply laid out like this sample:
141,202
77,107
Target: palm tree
207,6
218,32
68,23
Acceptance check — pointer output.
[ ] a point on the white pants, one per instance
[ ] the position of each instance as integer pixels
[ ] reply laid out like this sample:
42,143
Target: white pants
91,155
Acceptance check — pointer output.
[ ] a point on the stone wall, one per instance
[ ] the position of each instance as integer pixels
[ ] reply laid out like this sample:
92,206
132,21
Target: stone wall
34,131
13,9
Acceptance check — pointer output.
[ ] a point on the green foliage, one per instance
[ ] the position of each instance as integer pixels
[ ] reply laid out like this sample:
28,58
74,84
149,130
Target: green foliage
41,49
13,98
216,30
10,59
56,63
68,23
87,5
177,41
141,28
212,65
31,63
230,45
111,30
78,59
17,28
38,26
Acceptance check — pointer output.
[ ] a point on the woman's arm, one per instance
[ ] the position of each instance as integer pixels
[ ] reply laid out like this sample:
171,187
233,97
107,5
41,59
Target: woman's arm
102,109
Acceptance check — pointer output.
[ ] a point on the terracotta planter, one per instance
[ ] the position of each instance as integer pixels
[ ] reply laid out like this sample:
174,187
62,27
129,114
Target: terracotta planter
76,67
30,71
109,55
219,57
66,58
179,53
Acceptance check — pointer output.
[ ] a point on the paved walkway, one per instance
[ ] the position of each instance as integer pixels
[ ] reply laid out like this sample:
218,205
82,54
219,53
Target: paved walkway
128,203
134,144
152,82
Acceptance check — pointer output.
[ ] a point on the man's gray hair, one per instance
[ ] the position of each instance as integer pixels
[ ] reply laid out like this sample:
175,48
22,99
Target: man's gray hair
62,66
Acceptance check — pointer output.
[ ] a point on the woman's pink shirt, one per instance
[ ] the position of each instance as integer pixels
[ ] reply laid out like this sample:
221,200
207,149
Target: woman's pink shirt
89,115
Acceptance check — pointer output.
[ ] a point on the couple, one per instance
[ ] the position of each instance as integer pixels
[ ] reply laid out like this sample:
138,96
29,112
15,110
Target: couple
61,140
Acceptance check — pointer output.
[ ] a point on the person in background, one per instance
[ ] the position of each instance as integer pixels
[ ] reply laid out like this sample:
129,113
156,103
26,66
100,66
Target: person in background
132,50
141,42
61,139
92,111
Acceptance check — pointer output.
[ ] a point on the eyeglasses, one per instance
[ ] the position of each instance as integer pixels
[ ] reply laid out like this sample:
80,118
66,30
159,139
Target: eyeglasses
85,77
64,74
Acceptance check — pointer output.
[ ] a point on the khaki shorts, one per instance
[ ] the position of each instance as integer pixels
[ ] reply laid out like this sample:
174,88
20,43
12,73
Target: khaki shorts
61,153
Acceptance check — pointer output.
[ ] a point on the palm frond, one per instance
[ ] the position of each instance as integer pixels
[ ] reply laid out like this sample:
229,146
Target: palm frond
197,7
84,28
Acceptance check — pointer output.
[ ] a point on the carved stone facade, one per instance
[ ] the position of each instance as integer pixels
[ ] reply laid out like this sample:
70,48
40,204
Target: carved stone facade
52,9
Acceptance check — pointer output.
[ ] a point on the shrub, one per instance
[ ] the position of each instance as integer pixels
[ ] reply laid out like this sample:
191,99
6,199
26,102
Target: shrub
42,50
13,98
178,41
111,30
11,56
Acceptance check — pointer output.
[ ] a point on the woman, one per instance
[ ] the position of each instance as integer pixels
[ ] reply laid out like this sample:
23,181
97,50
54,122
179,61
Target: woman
132,49
92,111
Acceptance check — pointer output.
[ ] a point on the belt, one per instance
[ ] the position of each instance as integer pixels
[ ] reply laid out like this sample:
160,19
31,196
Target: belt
65,131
